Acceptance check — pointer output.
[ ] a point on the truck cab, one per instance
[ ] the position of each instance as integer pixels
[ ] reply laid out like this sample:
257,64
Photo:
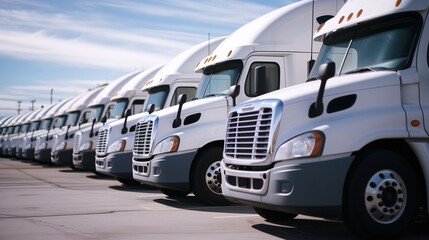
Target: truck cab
103,110
184,150
352,142
78,115
42,120
114,157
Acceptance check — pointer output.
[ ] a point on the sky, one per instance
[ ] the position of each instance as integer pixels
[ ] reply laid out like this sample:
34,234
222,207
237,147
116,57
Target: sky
68,47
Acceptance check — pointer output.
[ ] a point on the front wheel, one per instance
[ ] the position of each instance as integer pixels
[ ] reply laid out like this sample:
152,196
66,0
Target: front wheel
207,179
381,198
274,216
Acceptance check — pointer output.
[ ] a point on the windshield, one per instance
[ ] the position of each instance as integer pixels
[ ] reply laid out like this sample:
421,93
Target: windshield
46,123
217,79
72,118
96,113
24,128
35,125
60,121
16,129
381,44
119,109
157,96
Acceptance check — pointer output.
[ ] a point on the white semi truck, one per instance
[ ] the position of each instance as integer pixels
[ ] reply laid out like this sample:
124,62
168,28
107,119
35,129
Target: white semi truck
28,140
114,151
42,150
351,144
78,115
14,142
103,110
15,129
183,151
34,125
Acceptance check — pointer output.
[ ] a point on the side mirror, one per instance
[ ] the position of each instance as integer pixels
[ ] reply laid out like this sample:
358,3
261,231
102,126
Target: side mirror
104,120
151,108
128,113
260,80
177,122
233,92
325,72
67,132
124,128
91,133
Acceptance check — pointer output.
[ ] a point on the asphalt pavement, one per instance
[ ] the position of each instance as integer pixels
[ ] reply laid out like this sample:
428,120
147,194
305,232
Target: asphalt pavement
50,202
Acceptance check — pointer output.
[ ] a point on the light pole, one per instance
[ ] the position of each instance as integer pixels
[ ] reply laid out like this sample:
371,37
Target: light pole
19,106
32,104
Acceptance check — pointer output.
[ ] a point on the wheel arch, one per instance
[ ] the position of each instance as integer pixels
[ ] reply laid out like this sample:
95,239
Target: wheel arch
399,146
218,143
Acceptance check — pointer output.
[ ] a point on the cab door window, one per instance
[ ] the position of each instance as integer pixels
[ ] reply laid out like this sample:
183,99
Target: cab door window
189,91
272,78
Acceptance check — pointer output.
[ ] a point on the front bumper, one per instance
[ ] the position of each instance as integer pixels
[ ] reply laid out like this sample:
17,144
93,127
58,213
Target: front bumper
118,165
62,157
310,188
84,160
170,171
43,155
28,153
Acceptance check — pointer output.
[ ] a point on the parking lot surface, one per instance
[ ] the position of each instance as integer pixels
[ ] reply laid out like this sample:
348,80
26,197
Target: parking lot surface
49,202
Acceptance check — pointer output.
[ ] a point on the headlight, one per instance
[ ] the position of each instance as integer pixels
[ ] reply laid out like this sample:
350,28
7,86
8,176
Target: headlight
44,145
117,146
309,144
170,144
61,146
28,146
86,146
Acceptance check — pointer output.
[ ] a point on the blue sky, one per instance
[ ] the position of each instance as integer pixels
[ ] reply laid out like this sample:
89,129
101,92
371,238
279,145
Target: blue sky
71,46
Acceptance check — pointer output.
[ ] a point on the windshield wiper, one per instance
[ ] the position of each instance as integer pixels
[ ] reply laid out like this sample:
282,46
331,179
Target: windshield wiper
312,79
366,69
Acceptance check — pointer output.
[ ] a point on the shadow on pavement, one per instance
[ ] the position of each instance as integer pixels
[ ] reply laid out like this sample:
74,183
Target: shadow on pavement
190,202
134,188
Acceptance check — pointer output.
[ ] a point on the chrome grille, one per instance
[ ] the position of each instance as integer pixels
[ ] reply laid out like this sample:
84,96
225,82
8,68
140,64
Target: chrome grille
76,144
247,135
100,148
143,137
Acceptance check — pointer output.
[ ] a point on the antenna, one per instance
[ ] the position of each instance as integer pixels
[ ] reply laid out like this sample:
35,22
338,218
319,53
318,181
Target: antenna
310,63
208,46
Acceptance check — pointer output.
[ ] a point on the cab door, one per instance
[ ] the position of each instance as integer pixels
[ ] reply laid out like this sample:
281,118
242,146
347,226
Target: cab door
274,76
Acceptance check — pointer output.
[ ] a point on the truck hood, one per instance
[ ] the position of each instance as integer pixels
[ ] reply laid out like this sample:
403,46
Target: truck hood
192,107
336,85
132,120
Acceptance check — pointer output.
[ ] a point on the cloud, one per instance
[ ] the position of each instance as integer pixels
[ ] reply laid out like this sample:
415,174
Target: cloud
219,12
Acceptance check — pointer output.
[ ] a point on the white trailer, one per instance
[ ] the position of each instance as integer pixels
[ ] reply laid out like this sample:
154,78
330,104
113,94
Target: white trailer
78,114
114,152
103,110
184,148
351,144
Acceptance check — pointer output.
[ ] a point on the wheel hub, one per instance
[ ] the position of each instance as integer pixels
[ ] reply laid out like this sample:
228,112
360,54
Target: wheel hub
385,196
214,178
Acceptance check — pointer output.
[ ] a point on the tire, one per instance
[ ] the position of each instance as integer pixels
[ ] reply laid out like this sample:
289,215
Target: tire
207,180
274,216
174,193
128,182
381,195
